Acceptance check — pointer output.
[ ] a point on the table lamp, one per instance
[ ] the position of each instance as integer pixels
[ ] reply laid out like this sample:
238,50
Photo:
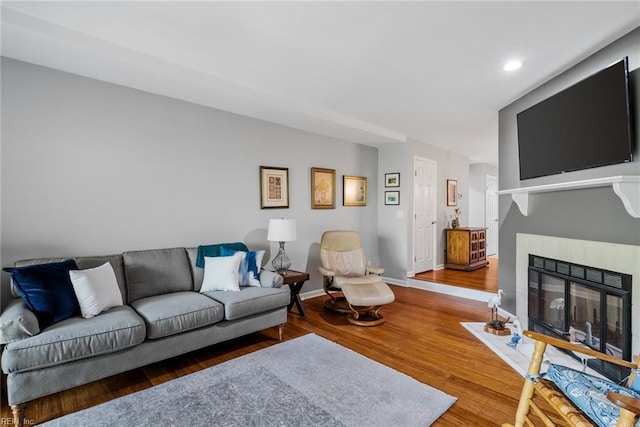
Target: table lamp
281,230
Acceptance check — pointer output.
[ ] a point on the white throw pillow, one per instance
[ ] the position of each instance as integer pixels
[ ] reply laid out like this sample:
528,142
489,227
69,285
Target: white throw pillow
221,273
96,289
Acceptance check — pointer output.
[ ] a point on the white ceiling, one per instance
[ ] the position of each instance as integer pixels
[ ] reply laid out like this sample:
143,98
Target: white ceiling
370,72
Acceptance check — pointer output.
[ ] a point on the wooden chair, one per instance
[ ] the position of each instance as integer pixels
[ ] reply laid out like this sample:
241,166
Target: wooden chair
564,411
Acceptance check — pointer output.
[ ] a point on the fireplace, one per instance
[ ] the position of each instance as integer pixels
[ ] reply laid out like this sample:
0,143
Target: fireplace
582,303
605,256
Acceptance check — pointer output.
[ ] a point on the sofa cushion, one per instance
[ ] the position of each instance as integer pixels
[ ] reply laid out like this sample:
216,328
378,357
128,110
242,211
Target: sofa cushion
46,289
75,338
197,272
250,300
156,272
177,312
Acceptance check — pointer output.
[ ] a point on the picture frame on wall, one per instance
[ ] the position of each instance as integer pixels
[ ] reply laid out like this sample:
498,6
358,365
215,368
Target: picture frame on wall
323,188
391,197
392,179
274,187
452,192
354,190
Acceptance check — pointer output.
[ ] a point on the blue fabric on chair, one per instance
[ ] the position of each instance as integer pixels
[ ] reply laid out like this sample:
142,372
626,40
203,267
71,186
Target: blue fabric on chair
589,393
47,290
214,251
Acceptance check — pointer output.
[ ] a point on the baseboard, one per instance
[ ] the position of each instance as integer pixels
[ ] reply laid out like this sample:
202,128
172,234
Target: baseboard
395,281
312,294
455,291
437,267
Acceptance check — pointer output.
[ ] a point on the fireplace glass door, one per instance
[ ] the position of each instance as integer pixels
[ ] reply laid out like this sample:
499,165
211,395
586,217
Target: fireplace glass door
552,293
585,314
615,326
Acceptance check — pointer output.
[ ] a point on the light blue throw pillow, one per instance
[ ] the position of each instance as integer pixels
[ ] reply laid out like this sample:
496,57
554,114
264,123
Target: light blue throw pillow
589,393
250,266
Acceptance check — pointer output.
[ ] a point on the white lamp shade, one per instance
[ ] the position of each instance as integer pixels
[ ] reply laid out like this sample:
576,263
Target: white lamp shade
282,230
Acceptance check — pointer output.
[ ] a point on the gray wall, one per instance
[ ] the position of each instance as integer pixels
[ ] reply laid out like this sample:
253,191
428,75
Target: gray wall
392,228
450,166
94,168
588,214
477,187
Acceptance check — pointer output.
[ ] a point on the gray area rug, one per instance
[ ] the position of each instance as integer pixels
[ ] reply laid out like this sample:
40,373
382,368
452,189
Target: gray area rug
308,381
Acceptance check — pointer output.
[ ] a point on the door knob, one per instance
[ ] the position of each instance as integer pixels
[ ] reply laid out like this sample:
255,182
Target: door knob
433,222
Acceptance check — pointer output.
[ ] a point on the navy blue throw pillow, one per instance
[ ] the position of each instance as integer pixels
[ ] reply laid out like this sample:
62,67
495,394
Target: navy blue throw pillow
47,290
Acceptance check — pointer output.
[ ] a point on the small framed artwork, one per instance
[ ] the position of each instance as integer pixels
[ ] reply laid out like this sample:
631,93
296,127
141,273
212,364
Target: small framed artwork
391,197
392,179
452,192
323,188
274,187
354,190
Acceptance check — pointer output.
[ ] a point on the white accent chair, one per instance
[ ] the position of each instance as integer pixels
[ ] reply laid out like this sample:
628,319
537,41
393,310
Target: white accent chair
345,271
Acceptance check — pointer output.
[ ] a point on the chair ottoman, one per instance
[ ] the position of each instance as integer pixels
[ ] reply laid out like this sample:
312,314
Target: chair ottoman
365,301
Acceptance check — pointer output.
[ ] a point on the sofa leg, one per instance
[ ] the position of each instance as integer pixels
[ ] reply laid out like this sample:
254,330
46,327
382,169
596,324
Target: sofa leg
281,331
18,414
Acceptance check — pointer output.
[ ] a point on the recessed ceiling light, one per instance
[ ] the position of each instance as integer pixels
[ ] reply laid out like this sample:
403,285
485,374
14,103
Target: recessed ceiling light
512,65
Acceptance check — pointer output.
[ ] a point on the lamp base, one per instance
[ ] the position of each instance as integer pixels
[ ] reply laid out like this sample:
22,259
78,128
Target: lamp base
281,262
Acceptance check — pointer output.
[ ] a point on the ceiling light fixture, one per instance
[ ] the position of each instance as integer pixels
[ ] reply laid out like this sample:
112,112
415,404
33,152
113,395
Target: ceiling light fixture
512,65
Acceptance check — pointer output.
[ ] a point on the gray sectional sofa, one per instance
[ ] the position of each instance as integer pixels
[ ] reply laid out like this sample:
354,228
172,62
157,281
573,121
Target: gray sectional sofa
163,315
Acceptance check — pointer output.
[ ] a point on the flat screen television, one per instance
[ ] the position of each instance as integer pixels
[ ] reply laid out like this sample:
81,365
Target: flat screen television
584,126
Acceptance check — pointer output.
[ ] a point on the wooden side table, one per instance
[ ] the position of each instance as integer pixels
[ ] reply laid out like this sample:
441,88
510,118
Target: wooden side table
295,280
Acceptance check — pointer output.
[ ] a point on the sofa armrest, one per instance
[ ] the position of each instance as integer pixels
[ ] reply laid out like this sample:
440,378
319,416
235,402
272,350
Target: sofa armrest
326,272
17,322
270,279
374,270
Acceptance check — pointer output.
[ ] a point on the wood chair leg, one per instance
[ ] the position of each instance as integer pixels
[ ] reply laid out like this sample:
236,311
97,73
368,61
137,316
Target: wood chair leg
281,331
627,418
529,386
18,414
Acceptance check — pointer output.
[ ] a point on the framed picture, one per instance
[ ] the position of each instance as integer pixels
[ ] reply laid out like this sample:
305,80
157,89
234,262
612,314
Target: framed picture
323,188
392,179
391,197
354,190
452,192
274,187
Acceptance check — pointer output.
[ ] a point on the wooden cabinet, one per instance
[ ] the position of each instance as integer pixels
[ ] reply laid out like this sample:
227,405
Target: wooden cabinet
466,248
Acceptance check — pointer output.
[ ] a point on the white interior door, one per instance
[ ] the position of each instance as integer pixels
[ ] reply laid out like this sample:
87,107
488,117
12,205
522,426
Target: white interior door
424,218
491,214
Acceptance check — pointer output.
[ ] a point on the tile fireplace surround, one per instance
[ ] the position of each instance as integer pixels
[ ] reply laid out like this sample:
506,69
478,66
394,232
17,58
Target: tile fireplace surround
607,256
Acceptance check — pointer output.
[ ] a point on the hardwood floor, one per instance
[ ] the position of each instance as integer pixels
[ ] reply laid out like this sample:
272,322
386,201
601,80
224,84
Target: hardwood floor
422,338
482,279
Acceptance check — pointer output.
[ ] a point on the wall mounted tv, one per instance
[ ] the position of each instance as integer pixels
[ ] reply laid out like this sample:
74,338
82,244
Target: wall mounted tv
584,126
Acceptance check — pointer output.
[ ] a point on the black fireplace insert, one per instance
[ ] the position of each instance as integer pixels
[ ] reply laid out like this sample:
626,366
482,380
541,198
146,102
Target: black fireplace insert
583,304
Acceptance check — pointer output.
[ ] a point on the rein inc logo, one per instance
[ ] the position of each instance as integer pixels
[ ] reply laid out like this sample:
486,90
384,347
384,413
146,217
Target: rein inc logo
14,422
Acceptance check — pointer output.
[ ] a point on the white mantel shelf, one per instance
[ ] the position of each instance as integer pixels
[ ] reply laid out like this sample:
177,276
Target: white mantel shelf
626,187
